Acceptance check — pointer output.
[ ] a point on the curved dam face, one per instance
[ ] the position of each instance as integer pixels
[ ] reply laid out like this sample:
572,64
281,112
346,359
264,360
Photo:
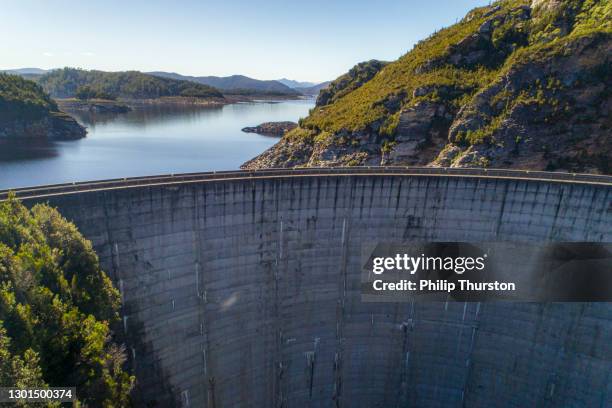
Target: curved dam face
245,291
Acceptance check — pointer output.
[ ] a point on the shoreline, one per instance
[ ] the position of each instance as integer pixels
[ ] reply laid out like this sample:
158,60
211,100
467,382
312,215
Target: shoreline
93,105
124,105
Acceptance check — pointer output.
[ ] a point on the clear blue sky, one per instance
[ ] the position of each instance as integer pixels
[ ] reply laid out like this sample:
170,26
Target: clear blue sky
310,40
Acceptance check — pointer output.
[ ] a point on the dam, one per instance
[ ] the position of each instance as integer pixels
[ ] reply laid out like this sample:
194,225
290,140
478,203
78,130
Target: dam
242,289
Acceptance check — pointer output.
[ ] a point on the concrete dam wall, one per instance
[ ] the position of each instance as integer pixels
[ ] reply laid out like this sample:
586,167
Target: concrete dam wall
243,289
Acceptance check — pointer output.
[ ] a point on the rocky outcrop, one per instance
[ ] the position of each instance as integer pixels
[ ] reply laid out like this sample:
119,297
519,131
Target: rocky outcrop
552,113
510,86
271,128
27,112
55,126
419,134
292,150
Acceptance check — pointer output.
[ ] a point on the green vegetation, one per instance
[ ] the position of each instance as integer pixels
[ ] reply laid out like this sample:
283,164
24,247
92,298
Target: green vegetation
56,309
518,83
439,68
64,83
426,65
23,99
357,76
553,33
87,92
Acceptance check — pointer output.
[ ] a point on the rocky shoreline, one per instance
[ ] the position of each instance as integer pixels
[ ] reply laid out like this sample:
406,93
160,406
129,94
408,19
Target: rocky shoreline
271,128
55,126
93,105
178,100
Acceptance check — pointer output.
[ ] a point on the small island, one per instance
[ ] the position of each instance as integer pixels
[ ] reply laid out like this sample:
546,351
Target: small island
271,128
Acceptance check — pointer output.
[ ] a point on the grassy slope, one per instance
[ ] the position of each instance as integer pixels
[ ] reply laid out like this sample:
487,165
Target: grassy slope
362,109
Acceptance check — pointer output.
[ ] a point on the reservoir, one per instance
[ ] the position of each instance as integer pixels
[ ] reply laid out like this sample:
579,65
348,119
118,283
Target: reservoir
147,141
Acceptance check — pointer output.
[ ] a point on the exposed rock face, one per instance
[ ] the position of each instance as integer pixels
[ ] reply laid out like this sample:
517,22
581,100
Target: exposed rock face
545,4
271,128
288,152
548,114
55,126
514,86
419,134
27,112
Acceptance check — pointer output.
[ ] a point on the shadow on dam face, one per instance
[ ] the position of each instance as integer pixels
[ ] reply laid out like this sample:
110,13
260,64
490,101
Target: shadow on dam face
246,292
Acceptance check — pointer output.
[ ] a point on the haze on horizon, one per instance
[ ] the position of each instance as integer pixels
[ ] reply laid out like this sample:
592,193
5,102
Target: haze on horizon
307,41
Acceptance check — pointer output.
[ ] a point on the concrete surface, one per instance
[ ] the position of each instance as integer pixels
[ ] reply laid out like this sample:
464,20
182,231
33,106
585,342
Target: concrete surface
244,291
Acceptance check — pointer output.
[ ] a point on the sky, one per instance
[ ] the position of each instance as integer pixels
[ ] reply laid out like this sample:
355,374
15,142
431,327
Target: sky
314,40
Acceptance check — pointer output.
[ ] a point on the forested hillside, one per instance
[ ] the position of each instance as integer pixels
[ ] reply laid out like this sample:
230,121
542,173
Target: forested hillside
57,308
64,83
26,111
517,84
235,84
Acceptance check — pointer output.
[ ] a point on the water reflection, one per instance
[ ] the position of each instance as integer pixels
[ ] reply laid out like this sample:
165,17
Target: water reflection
147,115
148,140
16,150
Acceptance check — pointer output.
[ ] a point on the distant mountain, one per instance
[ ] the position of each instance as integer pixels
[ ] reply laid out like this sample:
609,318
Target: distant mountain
25,71
234,83
28,73
64,83
313,90
296,84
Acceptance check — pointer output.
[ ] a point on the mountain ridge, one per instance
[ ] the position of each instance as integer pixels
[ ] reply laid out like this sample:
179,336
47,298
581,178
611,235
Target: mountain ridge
25,71
296,84
239,84
517,84
65,82
232,83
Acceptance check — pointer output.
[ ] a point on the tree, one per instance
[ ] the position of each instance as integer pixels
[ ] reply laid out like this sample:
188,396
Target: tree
87,92
57,308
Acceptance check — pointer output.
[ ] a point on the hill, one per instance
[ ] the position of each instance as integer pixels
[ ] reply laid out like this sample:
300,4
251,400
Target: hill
25,71
517,84
234,84
32,74
296,84
64,83
26,111
56,310
313,90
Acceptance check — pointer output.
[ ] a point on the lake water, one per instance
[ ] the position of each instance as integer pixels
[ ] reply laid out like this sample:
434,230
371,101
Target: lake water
149,141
